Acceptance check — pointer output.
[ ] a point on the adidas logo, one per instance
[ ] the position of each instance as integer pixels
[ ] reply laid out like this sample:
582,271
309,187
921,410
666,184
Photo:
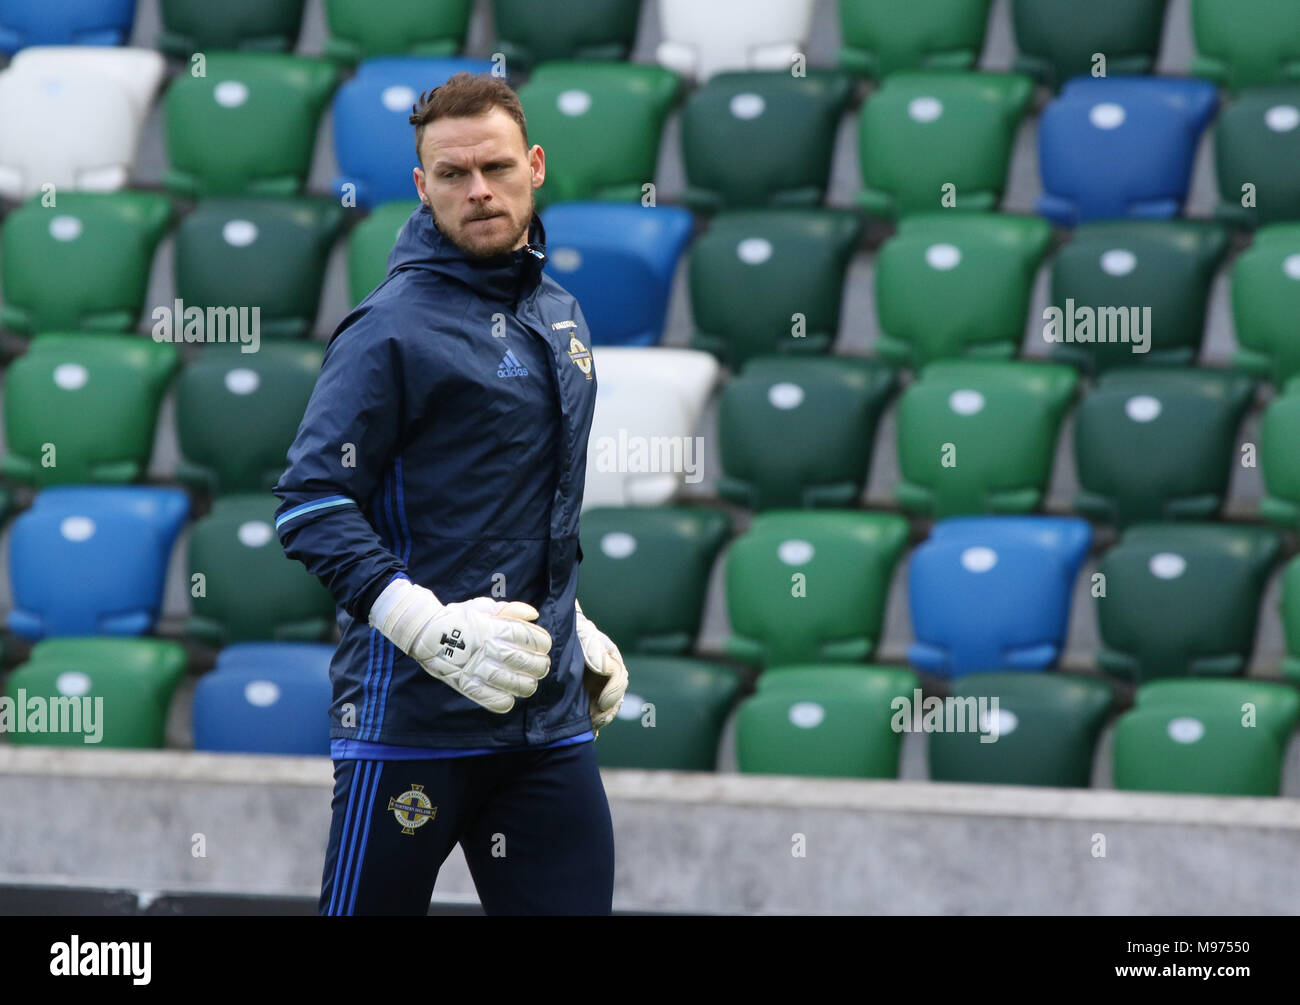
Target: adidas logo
510,366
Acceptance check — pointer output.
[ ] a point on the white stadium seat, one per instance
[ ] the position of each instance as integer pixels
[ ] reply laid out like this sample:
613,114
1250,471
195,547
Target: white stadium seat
139,71
701,39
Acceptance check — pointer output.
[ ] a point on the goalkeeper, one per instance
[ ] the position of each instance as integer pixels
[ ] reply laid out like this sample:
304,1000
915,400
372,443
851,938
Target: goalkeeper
434,487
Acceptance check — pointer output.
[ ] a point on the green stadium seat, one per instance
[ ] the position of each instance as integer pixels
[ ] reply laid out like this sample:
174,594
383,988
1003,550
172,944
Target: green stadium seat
777,407
1182,599
770,281
1199,751
1257,144
265,253
1263,704
82,408
143,655
645,573
824,721
980,436
767,114
370,243
1278,462
804,586
922,132
672,716
529,33
359,29
1158,444
1057,38
1289,608
981,267
600,125
260,398
249,590
882,37
1243,43
260,110
1047,730
105,240
190,26
1265,299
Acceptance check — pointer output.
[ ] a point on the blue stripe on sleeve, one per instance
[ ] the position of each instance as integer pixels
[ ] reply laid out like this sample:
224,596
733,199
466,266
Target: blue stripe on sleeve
311,507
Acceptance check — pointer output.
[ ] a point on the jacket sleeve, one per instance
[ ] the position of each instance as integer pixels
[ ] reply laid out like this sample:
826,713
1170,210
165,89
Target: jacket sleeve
348,435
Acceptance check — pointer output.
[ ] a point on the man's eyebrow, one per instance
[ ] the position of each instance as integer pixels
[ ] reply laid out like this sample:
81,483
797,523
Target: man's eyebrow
440,164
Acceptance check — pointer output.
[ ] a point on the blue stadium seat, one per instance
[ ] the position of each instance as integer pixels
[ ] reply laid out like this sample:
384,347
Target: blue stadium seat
92,561
67,22
993,593
254,710
277,657
372,133
1113,147
619,261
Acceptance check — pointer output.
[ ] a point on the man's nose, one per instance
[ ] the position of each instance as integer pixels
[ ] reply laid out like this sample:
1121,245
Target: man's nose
478,186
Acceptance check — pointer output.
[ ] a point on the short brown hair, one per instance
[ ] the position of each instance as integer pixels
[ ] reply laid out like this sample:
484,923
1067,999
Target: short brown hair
465,95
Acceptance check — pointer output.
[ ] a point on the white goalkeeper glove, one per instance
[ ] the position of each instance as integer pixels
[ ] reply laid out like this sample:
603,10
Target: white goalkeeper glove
605,676
486,649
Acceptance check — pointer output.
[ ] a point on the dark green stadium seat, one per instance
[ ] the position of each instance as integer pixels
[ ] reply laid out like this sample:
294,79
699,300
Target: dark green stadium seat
1265,299
770,281
779,406
1182,599
824,721
1047,729
980,436
766,114
260,110
250,590
600,125
672,716
1278,460
105,240
83,408
882,37
264,253
260,398
1270,705
811,585
201,26
1257,143
529,33
981,267
1158,444
360,29
1166,265
370,243
921,132
1056,39
1242,43
645,573
1163,750
1289,608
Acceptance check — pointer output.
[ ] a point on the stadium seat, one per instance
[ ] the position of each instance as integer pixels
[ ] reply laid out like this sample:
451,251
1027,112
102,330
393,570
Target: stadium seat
358,29
934,141
529,33
600,124
260,397
137,71
190,26
1289,608
1120,147
1057,39
1244,44
1259,704
370,243
1166,265
1256,145
766,114
980,436
277,657
645,574
249,590
981,267
68,22
1265,299
150,657
260,109
804,586
1182,599
106,241
994,593
824,721
770,281
268,254
83,408
881,37
373,137
619,261
672,716
643,444
1047,729
113,542
779,406
700,40
1199,751
1158,444
263,711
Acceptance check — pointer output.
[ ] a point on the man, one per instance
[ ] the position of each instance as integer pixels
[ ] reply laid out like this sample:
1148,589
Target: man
434,487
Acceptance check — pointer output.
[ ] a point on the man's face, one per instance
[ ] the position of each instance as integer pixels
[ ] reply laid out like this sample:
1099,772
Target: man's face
478,178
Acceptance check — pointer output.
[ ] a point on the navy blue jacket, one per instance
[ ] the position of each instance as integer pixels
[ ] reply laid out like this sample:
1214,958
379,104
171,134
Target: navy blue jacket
446,439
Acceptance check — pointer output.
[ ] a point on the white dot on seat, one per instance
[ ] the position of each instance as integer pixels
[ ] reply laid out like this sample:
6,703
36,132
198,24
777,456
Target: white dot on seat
1118,262
747,106
398,98
239,233
573,103
924,109
254,533
230,93
71,376
1186,729
242,380
943,256
785,395
979,559
1142,408
1282,118
966,402
795,552
65,228
261,693
1167,565
1107,115
617,544
807,714
754,250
